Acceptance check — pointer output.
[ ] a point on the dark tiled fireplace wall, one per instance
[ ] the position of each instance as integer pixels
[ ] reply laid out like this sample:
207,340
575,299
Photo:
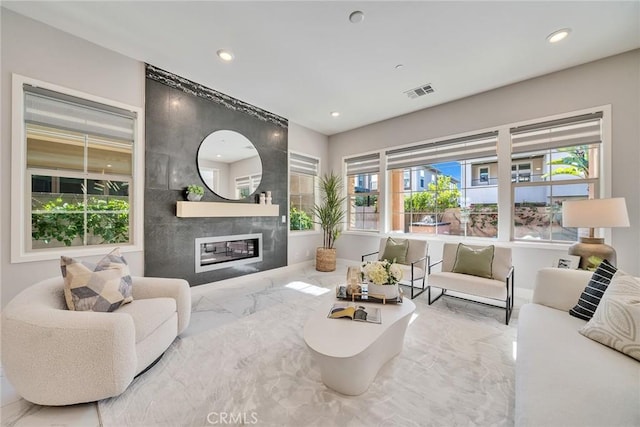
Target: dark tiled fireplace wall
179,115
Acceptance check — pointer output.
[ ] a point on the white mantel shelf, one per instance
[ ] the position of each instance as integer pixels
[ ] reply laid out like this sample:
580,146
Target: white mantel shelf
221,209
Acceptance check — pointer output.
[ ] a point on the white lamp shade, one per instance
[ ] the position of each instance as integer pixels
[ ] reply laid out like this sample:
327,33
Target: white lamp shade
595,213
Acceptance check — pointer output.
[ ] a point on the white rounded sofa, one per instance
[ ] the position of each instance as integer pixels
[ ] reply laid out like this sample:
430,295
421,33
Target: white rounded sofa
54,356
562,377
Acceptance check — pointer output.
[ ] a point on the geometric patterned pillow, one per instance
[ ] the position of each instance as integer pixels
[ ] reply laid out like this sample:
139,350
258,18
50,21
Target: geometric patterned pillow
96,287
616,322
590,298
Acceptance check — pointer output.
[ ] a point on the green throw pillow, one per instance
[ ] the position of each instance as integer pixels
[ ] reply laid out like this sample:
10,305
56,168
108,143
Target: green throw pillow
396,249
476,262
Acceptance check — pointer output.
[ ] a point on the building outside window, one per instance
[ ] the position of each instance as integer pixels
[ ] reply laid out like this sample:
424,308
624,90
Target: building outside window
79,169
363,193
449,203
303,175
553,162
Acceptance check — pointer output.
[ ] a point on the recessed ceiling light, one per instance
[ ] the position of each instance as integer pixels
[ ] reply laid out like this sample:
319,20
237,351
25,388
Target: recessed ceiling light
225,55
356,17
218,155
109,165
556,36
335,114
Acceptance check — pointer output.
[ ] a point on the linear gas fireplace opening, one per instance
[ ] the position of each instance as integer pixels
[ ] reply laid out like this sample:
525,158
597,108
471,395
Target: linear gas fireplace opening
213,253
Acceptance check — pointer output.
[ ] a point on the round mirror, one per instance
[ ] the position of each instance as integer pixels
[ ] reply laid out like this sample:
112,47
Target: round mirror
229,164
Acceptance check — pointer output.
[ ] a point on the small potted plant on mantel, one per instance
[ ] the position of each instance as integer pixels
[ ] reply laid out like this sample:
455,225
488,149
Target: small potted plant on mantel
195,192
330,214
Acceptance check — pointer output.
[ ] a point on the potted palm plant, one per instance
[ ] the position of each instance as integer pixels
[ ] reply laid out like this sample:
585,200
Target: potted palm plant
329,214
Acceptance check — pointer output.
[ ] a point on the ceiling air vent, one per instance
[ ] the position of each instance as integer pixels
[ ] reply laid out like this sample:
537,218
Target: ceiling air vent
420,91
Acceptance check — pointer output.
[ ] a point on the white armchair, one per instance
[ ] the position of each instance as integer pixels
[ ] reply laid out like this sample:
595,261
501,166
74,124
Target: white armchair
499,287
415,267
54,356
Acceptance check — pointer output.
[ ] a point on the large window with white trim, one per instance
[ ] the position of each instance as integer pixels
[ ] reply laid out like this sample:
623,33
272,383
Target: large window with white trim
78,165
507,184
552,162
445,187
303,175
363,193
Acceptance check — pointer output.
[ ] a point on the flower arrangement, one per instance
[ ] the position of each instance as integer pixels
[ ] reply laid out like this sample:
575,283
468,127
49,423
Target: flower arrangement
381,272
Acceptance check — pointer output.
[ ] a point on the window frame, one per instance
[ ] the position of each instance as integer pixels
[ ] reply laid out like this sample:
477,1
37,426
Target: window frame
316,179
369,158
503,179
21,186
527,158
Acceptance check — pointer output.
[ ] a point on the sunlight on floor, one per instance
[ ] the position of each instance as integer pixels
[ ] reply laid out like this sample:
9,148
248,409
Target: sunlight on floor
414,316
307,288
515,350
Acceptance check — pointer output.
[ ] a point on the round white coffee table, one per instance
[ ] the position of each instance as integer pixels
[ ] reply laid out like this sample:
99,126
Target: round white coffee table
350,353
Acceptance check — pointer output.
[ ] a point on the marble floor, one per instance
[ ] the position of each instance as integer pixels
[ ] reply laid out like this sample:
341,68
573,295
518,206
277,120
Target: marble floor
472,343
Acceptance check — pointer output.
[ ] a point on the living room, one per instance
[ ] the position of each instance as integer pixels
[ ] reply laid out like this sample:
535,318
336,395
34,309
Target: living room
607,84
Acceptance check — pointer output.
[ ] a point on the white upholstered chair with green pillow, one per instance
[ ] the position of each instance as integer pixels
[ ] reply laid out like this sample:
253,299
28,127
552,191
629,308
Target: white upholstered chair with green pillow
482,271
56,356
411,255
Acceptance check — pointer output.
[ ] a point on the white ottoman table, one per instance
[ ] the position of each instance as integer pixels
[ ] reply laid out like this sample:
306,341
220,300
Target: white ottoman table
350,353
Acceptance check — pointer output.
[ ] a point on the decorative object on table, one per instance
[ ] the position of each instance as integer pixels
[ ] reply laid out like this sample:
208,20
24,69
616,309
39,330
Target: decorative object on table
330,214
346,310
354,277
195,193
360,293
269,198
263,199
567,261
591,214
382,278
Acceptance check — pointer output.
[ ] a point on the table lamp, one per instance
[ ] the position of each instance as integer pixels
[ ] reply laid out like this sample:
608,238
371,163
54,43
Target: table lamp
594,213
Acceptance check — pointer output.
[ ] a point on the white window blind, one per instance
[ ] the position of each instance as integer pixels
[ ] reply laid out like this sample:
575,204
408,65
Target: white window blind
303,164
48,108
567,132
363,164
457,149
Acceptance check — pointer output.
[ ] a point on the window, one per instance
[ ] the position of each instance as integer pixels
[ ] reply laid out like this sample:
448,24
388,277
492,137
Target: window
553,162
449,203
74,167
246,185
521,172
484,175
363,192
303,174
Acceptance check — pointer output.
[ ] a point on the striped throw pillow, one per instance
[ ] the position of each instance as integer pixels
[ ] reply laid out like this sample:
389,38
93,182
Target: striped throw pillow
590,297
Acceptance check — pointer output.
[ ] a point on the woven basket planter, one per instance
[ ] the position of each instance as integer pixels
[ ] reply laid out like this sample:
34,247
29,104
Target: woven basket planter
325,259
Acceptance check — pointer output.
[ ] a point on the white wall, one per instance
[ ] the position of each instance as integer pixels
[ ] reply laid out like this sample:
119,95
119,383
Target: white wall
303,244
34,50
614,80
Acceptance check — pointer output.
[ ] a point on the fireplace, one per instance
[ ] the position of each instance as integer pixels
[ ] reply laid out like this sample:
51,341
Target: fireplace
214,253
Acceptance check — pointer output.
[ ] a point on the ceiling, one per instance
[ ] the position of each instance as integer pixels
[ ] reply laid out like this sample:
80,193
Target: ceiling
303,60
